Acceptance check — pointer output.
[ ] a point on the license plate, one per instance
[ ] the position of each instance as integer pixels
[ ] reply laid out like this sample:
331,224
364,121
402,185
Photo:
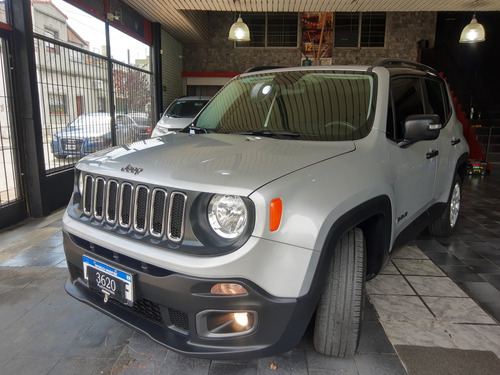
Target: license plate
70,147
113,282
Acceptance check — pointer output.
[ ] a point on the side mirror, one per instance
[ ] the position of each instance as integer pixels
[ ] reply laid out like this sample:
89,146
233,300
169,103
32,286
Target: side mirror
421,128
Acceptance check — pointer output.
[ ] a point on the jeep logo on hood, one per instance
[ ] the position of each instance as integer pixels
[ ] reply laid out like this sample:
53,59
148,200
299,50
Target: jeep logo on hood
131,169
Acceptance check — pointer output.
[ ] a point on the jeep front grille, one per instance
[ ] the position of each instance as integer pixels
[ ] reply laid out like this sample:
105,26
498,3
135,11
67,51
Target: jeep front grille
144,210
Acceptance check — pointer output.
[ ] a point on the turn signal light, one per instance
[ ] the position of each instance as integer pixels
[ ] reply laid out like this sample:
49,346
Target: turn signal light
275,212
228,289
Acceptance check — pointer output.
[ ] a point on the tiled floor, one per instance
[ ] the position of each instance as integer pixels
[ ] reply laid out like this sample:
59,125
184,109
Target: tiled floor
434,310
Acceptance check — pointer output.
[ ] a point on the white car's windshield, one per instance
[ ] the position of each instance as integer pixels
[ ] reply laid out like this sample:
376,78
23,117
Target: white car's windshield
185,108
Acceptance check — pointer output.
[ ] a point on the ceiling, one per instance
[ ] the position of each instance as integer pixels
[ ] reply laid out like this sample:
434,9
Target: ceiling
187,20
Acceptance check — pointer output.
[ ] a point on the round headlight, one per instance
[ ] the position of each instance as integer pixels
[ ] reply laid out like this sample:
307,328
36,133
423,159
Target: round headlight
227,215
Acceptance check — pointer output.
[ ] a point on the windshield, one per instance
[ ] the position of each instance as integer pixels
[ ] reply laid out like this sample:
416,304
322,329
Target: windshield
308,105
185,108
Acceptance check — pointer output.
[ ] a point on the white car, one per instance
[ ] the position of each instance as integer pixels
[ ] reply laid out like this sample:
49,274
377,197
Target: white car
179,114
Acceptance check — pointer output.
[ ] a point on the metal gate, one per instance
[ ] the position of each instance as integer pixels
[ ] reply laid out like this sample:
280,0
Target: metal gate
77,115
60,89
12,205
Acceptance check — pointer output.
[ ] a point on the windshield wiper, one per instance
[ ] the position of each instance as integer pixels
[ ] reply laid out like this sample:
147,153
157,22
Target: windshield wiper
269,133
192,129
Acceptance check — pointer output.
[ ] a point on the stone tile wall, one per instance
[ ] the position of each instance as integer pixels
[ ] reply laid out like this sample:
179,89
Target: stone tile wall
404,31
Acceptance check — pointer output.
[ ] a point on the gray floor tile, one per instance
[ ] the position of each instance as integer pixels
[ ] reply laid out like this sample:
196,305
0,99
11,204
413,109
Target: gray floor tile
27,365
178,364
374,340
409,252
435,286
461,273
476,337
224,368
316,361
481,291
457,310
400,308
379,364
419,267
293,362
81,366
421,333
389,285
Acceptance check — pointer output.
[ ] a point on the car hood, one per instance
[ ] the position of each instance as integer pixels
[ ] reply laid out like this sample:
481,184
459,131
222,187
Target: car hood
239,163
80,133
169,122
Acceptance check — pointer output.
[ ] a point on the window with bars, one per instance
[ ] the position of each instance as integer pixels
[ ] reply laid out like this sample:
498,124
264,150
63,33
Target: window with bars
51,47
271,29
359,30
57,104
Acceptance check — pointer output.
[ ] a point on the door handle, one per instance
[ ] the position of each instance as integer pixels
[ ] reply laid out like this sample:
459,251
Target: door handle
455,142
432,154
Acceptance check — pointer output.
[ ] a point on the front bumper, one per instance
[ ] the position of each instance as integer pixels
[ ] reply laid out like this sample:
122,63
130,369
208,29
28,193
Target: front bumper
82,147
171,307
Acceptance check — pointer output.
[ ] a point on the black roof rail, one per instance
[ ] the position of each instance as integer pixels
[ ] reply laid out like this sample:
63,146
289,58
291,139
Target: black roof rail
259,68
388,63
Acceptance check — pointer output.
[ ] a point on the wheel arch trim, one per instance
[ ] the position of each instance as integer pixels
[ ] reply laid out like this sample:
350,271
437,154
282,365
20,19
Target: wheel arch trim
374,217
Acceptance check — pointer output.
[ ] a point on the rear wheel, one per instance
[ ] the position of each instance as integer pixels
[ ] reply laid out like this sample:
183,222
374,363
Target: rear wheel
338,317
445,224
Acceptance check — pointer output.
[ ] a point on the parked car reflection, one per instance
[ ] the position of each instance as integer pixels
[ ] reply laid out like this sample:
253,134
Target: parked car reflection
179,114
142,125
89,133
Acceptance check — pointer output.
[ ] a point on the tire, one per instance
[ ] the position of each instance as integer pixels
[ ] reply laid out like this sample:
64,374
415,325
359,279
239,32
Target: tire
446,223
339,313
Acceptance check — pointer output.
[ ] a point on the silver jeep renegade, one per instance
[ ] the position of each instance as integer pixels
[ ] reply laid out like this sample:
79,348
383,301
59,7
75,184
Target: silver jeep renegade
288,191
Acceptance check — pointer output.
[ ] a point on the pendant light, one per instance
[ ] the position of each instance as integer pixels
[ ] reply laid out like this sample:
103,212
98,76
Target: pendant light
474,31
239,31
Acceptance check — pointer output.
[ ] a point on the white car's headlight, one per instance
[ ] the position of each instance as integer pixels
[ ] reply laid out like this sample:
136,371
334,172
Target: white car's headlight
227,215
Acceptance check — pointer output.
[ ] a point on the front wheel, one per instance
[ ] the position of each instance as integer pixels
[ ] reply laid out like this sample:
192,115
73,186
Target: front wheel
445,224
339,313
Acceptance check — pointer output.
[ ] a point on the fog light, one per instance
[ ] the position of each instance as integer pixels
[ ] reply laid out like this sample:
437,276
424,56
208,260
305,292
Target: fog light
226,323
241,319
230,289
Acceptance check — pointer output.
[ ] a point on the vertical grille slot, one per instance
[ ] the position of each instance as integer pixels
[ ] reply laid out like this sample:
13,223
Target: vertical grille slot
111,201
176,216
99,198
87,195
141,208
126,197
158,204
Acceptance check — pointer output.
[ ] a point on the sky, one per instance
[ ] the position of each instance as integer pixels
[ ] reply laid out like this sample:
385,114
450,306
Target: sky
92,30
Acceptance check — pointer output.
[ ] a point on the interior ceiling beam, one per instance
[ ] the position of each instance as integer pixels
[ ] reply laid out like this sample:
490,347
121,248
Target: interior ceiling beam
187,21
